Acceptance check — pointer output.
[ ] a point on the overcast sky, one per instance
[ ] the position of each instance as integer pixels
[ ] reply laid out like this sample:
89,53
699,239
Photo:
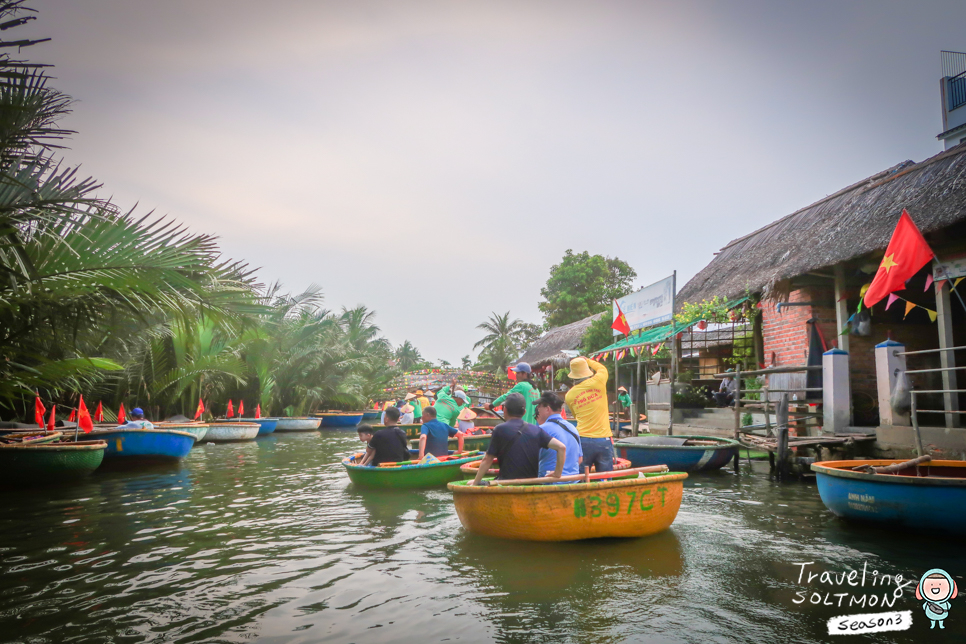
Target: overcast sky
432,160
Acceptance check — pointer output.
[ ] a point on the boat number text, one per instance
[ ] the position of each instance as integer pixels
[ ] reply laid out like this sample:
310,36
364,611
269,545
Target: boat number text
614,503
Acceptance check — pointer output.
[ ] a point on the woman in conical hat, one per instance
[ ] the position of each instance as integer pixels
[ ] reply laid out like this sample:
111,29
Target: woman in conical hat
465,421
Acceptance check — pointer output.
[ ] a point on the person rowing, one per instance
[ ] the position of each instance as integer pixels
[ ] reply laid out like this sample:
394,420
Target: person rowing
434,435
525,388
587,399
449,405
517,444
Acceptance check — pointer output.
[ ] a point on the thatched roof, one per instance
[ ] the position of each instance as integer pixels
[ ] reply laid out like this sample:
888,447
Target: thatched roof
848,224
550,347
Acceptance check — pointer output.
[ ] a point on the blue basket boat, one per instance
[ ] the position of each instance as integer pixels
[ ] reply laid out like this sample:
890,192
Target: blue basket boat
266,425
148,444
371,416
339,419
928,497
679,453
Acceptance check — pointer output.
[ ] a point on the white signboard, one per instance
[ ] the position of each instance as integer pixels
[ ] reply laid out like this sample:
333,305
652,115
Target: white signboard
651,305
949,268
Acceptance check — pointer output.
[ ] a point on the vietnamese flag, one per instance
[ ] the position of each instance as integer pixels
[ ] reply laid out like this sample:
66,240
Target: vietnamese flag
200,410
241,408
84,417
50,423
73,416
620,321
258,411
99,412
907,253
121,416
510,373
231,411
39,410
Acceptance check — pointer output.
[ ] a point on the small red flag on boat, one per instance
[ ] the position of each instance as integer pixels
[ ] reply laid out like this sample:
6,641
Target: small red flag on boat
73,416
121,416
84,417
620,321
39,410
99,412
907,253
52,420
241,408
231,411
258,410
200,410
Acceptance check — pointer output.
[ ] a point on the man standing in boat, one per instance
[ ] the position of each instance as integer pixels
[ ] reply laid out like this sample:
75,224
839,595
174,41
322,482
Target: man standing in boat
525,388
434,435
516,445
549,407
448,406
388,445
587,399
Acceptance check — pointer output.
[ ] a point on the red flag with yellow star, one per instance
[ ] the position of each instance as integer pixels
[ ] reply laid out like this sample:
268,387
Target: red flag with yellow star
907,253
620,322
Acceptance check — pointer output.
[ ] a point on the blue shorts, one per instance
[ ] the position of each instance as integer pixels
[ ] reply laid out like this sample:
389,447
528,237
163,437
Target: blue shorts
598,452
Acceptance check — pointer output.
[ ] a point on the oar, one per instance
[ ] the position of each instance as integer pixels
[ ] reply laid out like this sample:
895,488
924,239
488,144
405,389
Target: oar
895,467
543,480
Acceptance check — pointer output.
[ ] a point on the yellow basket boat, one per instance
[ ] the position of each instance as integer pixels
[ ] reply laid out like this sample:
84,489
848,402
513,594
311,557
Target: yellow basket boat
601,508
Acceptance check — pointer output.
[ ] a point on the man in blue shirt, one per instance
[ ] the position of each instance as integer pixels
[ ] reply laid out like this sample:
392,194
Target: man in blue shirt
434,435
137,421
516,445
550,420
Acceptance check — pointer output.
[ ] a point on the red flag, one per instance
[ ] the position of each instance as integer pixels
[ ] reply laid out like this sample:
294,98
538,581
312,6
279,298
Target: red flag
200,410
73,416
907,253
50,423
510,373
230,412
620,322
99,412
121,416
258,411
241,408
84,417
39,410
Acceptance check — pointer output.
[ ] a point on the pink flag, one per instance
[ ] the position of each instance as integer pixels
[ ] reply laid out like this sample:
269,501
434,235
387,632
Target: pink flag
892,298
928,282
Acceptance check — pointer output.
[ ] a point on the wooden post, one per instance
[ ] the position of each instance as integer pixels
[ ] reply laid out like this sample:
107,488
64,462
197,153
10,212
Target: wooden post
764,398
946,358
781,417
636,420
616,427
738,402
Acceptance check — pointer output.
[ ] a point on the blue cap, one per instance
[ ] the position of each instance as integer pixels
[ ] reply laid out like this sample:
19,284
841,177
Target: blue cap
523,367
137,411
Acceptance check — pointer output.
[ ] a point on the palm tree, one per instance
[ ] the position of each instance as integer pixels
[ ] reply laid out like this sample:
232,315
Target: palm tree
503,341
408,356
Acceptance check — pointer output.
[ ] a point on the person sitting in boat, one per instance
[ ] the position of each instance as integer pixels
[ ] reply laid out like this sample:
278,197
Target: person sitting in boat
525,388
464,422
413,401
388,445
406,418
550,420
725,396
423,401
517,445
434,435
587,399
448,406
137,420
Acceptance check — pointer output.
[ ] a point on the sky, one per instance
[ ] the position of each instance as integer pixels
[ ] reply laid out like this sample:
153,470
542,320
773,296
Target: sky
433,160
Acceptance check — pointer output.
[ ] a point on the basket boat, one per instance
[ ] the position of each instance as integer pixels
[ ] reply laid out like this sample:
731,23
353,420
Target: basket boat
339,419
265,425
200,430
298,424
411,429
408,474
605,507
48,462
679,453
470,469
928,497
224,432
32,438
470,442
130,443
369,416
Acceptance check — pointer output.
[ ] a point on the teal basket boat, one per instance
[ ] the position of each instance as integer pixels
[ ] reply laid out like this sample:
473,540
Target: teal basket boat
50,462
409,474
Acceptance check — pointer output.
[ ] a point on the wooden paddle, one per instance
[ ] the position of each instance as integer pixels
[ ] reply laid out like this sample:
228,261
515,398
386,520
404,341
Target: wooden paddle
895,467
585,477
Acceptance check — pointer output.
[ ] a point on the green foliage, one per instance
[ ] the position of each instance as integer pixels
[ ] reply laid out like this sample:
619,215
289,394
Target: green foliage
690,398
581,285
504,341
599,334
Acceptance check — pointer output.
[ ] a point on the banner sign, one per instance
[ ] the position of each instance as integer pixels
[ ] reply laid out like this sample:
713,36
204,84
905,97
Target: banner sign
949,268
651,305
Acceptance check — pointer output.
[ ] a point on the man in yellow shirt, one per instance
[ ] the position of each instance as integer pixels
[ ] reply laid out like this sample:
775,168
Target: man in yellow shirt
587,399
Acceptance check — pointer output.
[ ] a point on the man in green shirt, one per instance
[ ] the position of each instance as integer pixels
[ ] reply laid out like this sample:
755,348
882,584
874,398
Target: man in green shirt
449,405
525,388
624,400
413,400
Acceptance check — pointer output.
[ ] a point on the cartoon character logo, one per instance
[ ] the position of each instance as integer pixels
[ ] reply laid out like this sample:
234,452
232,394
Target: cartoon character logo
936,588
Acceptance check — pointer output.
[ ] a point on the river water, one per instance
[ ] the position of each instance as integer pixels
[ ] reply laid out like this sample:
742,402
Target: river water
268,542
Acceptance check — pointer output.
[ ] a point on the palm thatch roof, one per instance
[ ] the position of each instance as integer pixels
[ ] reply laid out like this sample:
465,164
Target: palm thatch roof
551,348
848,224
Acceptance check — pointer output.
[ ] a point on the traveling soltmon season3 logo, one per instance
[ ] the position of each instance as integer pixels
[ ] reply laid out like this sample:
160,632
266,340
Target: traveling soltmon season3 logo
862,590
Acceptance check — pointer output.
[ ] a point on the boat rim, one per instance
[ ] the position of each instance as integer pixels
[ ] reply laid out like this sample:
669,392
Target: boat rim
724,443
89,445
458,461
464,487
832,468
140,430
220,423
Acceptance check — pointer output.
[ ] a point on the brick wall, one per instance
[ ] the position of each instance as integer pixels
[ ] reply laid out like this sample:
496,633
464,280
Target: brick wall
785,334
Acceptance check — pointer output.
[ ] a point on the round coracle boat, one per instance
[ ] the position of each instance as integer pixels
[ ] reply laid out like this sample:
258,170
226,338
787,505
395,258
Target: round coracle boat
161,443
408,474
606,506
299,424
339,419
679,453
225,432
470,469
470,442
48,462
31,438
265,425
198,429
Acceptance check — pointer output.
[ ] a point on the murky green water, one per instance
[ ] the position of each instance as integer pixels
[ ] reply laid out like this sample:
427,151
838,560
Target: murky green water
269,542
